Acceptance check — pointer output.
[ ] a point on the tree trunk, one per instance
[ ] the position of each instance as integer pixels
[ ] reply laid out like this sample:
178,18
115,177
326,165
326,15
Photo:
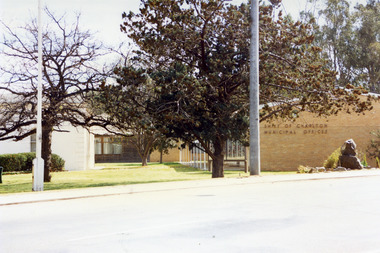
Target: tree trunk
46,151
218,159
161,156
144,160
143,145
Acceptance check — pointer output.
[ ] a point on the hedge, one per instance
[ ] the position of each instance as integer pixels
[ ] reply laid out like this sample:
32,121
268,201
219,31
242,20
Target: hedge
24,162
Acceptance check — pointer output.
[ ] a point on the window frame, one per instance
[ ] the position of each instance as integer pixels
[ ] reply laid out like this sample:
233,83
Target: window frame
111,142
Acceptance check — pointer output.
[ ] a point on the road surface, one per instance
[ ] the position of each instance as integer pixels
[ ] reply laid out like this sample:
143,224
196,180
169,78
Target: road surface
327,215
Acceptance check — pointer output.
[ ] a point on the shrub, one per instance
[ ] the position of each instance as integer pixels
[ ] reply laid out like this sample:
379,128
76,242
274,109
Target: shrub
364,161
373,148
29,161
12,162
333,160
304,169
24,162
57,163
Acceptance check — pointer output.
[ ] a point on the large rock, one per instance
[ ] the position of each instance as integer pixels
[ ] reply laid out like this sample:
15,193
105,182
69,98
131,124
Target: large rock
348,158
350,162
349,148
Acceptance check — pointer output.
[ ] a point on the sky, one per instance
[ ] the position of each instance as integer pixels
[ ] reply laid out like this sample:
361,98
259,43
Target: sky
103,17
100,16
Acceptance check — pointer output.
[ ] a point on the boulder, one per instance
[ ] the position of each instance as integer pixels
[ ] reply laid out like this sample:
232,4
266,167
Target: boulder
319,169
350,162
339,168
349,148
348,158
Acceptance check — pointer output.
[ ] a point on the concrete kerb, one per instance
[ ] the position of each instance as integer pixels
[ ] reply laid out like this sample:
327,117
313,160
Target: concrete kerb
61,195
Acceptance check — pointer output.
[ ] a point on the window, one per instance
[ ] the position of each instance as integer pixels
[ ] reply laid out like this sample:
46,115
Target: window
33,143
98,145
107,145
235,150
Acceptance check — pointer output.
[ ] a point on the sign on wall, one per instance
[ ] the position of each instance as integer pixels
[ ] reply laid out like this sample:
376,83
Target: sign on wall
296,129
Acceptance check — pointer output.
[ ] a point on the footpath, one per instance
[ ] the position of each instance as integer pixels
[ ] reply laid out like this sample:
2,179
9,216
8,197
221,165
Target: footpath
60,195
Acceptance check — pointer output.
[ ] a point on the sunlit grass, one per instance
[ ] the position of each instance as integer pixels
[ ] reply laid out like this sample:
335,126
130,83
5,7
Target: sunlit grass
111,175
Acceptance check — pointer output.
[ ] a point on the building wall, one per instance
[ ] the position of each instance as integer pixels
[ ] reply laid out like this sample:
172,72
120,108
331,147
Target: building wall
307,141
11,147
310,140
173,156
76,147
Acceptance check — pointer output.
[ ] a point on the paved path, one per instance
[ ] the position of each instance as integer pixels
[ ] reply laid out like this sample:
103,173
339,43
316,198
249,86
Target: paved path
331,212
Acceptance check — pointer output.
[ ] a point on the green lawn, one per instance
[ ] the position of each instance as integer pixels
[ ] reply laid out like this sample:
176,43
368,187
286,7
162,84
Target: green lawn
110,175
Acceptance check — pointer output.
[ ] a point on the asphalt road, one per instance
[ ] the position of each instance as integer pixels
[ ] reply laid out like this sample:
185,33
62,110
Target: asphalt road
325,215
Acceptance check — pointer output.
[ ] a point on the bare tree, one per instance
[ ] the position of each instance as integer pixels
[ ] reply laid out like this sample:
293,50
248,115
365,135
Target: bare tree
71,76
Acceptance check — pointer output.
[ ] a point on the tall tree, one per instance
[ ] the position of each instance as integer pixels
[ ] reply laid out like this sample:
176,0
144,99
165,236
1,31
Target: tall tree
201,79
367,47
351,40
125,106
373,148
337,36
70,74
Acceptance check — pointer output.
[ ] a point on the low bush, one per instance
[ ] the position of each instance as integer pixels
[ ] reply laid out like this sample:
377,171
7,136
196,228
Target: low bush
364,161
333,160
29,161
13,162
304,169
57,163
24,162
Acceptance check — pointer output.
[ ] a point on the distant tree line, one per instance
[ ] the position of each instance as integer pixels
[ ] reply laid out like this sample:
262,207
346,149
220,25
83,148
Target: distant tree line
350,38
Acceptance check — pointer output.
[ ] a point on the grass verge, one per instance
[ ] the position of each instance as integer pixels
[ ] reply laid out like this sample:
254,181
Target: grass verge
111,175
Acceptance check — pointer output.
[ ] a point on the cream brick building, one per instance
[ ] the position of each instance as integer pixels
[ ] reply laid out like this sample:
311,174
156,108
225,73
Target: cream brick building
307,141
310,140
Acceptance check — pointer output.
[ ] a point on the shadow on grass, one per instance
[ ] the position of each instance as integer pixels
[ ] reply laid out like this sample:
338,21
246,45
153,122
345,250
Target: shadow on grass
176,166
121,165
180,168
12,188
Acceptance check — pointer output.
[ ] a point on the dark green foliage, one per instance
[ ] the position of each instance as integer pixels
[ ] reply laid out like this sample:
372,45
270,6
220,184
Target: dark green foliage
350,38
24,162
29,160
125,104
57,163
13,162
198,57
